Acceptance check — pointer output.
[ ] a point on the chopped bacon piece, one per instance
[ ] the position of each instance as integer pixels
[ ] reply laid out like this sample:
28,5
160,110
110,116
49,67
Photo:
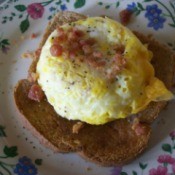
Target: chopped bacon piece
74,34
82,42
33,36
90,41
97,54
78,32
125,16
120,49
36,93
119,60
119,63
60,31
72,54
87,49
75,46
59,39
72,37
94,63
56,50
138,127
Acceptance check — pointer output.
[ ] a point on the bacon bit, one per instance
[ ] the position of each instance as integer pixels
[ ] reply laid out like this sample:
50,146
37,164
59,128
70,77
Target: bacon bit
119,60
97,54
100,64
72,36
38,52
90,41
32,77
94,63
125,16
138,127
87,49
36,93
60,38
72,54
82,42
33,36
75,46
119,63
76,127
60,31
120,49
56,50
78,32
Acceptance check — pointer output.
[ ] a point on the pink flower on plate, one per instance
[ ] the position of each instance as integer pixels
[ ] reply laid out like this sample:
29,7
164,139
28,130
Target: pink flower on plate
166,159
159,171
35,10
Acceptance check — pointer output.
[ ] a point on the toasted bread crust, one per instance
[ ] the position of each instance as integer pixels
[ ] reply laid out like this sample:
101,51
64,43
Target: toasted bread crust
114,143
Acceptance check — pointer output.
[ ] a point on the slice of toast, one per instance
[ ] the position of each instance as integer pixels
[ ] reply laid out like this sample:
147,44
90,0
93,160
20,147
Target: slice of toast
114,143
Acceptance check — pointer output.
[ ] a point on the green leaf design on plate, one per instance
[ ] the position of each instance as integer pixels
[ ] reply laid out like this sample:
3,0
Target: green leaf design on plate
24,25
13,14
137,12
4,21
140,6
10,151
20,8
143,166
172,25
79,3
107,6
134,173
172,5
100,3
117,4
5,42
38,161
170,44
2,128
147,0
123,173
167,148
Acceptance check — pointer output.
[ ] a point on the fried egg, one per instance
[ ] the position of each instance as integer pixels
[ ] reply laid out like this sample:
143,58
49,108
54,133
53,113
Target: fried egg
101,72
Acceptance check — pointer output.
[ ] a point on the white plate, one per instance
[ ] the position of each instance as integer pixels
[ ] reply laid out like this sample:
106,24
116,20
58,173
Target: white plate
19,150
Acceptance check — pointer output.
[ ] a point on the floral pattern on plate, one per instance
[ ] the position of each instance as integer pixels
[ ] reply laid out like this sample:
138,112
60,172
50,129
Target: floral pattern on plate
4,45
24,166
156,13
165,162
157,16
36,10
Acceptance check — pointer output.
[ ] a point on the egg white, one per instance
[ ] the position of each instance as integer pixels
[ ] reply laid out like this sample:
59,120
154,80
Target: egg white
89,96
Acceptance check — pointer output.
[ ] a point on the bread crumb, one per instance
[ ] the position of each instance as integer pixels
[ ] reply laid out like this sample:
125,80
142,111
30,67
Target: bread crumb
76,127
88,168
14,61
28,54
34,35
76,142
125,16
